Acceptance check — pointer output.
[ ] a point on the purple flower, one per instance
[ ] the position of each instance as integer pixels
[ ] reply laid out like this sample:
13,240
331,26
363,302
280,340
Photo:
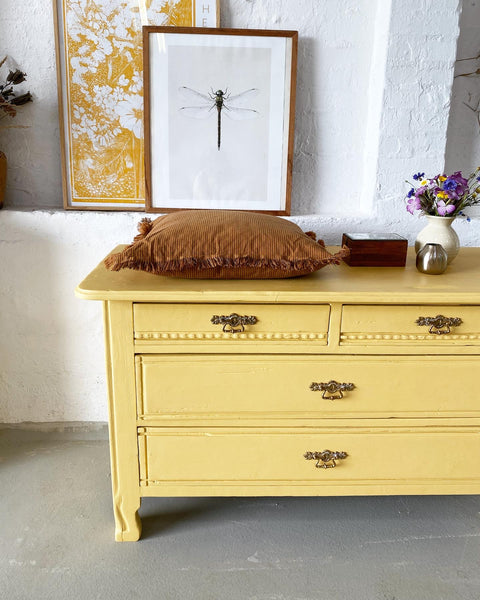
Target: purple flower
413,204
418,176
445,209
449,185
455,186
420,191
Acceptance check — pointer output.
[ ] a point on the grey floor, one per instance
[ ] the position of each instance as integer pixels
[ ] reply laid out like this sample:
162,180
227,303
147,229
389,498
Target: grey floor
57,538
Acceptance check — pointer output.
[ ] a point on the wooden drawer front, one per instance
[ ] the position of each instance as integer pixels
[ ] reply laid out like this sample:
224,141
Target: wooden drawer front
223,455
396,324
192,322
217,386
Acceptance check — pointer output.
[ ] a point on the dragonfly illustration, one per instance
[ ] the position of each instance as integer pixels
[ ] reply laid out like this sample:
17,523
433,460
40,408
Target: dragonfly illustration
221,102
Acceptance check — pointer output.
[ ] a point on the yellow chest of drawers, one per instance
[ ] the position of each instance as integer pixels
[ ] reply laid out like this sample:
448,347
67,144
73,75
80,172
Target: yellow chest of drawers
348,381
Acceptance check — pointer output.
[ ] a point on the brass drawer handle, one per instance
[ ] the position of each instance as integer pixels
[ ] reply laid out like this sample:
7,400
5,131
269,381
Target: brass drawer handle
326,458
439,325
233,323
332,390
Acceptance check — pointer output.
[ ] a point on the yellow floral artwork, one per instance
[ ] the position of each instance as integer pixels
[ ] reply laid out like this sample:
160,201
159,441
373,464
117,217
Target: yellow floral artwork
102,93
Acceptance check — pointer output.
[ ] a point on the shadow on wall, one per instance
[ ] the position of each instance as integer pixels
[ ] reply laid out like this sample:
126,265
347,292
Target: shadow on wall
463,135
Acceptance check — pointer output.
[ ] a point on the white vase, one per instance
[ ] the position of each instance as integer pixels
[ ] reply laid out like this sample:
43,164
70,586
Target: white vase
439,231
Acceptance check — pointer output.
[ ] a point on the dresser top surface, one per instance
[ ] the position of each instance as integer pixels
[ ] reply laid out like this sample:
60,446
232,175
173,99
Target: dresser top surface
459,284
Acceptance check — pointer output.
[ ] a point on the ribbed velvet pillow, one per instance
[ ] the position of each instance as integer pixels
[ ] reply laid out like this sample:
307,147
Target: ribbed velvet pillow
223,244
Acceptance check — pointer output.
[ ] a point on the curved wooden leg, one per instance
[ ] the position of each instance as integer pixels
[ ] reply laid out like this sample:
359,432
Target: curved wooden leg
128,526
122,420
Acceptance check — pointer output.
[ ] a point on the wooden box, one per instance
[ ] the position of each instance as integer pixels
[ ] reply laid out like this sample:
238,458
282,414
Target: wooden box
375,250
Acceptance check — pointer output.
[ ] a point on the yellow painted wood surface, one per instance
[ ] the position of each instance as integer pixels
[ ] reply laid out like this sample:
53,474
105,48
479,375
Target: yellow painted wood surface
197,415
216,386
388,487
272,455
118,320
192,322
370,324
379,285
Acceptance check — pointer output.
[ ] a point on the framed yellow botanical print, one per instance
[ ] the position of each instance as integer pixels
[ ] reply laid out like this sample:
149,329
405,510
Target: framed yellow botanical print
99,57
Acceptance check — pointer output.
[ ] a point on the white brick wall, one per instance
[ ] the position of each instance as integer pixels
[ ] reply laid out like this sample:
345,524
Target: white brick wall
374,86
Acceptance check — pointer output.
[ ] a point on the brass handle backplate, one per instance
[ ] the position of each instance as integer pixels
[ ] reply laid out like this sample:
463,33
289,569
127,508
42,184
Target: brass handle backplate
332,390
233,323
439,325
326,458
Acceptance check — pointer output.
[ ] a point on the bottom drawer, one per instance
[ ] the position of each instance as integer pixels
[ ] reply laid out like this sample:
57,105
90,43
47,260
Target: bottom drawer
278,455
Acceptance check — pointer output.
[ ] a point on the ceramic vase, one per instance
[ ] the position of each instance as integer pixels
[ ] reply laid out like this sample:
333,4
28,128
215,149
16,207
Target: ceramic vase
439,231
3,177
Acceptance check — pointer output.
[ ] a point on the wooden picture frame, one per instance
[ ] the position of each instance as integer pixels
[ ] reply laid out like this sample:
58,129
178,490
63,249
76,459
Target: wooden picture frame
196,158
100,93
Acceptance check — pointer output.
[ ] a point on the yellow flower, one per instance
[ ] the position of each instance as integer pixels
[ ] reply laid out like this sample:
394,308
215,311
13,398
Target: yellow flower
442,178
424,182
442,195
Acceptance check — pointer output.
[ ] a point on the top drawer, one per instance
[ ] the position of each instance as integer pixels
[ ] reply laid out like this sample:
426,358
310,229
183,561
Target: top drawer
410,325
226,323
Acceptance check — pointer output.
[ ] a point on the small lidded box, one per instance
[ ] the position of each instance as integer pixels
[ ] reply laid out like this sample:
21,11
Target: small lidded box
375,249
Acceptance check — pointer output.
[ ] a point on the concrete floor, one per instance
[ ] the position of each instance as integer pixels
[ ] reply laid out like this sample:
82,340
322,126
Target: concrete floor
57,538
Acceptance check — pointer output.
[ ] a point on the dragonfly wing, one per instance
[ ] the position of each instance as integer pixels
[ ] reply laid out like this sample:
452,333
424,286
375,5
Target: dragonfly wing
239,114
240,99
197,112
193,95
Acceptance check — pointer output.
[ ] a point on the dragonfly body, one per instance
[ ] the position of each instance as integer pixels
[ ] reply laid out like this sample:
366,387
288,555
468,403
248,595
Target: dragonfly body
219,98
222,101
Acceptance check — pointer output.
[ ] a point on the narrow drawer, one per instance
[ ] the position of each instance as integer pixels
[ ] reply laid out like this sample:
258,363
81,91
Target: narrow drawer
232,455
237,386
220,323
412,325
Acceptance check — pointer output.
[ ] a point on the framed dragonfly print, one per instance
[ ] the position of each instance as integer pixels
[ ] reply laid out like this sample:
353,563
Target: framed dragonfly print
219,118
100,62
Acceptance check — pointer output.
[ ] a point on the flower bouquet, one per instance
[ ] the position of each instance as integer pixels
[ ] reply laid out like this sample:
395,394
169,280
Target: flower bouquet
444,196
441,199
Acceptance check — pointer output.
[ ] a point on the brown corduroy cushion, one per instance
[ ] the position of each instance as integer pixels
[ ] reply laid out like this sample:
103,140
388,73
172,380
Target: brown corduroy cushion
222,244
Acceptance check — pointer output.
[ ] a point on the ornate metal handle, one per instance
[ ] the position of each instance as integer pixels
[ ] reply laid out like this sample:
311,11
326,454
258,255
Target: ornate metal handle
439,325
233,323
326,458
332,390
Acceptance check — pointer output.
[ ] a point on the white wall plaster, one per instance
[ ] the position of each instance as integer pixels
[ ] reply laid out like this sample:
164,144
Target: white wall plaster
373,97
34,176
334,62
52,353
373,117
419,75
